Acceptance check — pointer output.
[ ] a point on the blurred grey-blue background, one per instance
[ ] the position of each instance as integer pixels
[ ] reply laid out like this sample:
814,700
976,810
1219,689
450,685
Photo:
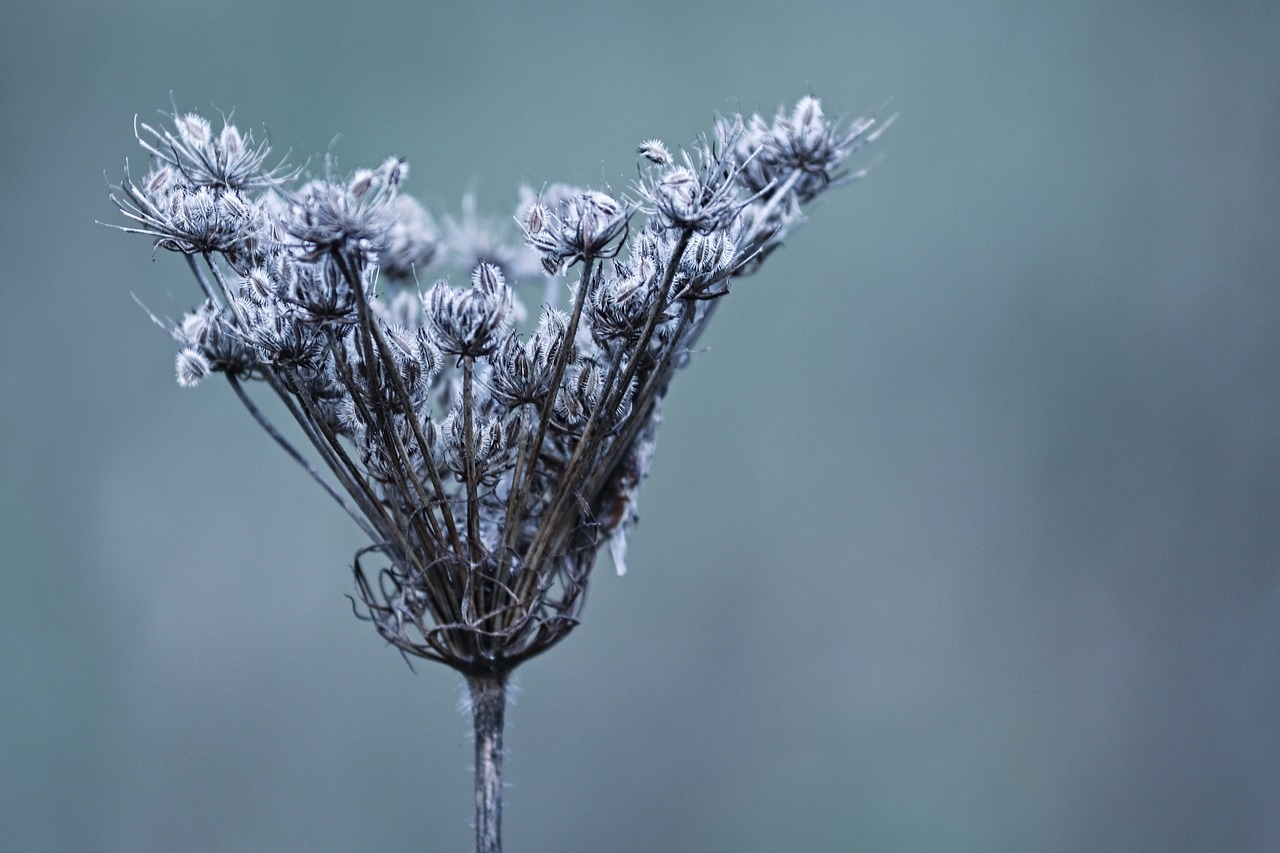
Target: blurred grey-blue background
963,530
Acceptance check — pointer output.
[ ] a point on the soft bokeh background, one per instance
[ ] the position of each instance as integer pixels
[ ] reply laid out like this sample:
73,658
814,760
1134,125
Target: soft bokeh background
962,535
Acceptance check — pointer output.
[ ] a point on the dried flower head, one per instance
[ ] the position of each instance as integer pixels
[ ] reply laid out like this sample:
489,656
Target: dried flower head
487,464
352,216
227,160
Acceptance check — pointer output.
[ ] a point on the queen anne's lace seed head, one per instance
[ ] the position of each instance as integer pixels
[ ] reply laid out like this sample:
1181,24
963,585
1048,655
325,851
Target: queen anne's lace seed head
211,331
803,143
487,461
522,371
484,456
618,308
353,217
589,223
702,199
580,224
470,322
324,296
282,339
185,219
227,160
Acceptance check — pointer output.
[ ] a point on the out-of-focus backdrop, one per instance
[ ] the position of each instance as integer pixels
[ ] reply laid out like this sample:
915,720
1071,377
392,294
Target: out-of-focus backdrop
963,532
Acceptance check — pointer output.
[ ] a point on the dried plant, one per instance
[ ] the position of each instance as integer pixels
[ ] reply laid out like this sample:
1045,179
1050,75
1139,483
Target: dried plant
487,458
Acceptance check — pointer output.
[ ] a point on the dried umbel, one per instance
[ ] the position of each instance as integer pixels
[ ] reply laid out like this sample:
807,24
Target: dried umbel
487,457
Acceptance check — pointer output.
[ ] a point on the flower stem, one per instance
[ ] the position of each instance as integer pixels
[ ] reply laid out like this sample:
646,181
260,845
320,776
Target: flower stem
488,701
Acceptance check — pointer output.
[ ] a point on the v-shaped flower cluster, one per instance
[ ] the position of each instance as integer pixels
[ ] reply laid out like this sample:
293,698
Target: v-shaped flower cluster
487,457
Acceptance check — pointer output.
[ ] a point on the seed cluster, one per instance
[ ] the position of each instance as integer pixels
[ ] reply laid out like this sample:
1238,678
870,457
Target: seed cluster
487,456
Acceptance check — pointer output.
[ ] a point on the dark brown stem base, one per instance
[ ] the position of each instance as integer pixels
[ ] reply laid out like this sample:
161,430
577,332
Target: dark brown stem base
488,702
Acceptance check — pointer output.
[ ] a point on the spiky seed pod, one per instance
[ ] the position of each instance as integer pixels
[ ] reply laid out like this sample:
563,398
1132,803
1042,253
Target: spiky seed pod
191,367
395,170
428,353
706,265
579,395
618,307
487,455
522,371
323,294
211,331
655,152
470,322
536,219
258,287
282,341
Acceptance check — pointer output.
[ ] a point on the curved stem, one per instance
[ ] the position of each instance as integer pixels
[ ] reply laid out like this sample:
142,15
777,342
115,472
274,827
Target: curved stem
488,702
